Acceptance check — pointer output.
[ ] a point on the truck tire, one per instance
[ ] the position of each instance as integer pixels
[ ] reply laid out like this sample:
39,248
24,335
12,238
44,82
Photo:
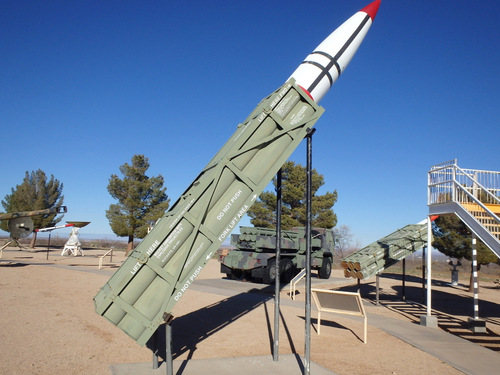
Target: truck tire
269,272
286,270
326,269
234,274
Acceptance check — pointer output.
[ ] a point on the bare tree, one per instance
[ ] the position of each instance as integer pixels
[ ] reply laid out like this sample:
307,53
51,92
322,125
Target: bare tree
343,237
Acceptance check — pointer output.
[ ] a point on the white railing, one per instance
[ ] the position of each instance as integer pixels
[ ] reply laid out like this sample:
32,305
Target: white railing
477,191
110,253
295,280
447,182
441,183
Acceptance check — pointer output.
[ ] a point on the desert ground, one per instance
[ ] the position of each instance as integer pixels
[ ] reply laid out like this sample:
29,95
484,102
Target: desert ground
49,325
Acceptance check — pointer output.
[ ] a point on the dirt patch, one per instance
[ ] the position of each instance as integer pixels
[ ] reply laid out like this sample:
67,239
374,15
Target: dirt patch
49,325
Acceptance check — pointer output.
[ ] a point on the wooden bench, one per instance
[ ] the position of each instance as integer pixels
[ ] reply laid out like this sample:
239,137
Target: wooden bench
348,303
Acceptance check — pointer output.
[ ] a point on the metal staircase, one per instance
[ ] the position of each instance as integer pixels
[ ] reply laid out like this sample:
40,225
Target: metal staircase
472,195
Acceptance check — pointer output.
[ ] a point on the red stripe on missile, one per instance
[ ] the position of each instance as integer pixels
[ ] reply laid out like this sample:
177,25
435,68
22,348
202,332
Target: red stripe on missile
307,92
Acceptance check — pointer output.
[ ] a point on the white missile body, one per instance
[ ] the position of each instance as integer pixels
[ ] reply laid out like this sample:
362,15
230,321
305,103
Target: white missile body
319,71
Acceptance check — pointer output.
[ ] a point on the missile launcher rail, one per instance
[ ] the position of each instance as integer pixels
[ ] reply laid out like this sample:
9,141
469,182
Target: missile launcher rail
387,251
47,211
143,291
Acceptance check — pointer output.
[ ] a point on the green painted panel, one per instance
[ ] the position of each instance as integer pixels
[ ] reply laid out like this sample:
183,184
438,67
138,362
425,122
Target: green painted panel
170,258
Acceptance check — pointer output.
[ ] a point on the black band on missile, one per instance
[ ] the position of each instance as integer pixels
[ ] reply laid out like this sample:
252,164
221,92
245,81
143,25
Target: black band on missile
333,60
325,71
329,57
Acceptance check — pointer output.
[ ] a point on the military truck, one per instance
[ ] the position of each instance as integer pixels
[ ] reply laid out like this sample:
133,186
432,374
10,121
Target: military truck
254,255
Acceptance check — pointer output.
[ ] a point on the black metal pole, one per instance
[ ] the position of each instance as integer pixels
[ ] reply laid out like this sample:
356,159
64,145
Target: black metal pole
168,338
404,279
278,260
155,351
48,246
307,361
377,283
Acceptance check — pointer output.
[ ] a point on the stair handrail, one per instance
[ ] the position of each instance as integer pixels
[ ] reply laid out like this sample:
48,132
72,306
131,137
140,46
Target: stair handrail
444,165
449,187
477,183
481,204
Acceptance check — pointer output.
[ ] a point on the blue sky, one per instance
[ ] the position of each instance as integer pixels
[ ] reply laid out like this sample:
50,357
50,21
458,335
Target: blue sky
85,85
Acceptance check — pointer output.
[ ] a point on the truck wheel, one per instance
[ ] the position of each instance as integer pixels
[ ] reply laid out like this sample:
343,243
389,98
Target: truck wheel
270,272
326,269
234,274
286,270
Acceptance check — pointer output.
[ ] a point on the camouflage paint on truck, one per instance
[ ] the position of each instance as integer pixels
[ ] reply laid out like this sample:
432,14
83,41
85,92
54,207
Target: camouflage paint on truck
254,256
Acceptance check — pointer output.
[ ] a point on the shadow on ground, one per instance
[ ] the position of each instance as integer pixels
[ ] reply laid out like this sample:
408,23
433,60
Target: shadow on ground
452,308
191,329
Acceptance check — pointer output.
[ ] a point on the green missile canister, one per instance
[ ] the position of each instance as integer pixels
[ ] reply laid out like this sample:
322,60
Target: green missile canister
385,252
143,291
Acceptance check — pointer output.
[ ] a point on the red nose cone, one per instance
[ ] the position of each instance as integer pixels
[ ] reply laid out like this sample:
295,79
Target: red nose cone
372,9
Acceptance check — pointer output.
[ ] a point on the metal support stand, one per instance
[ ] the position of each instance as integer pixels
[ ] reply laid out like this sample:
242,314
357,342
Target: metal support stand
278,261
168,338
169,363
307,359
429,268
377,283
48,247
155,352
428,320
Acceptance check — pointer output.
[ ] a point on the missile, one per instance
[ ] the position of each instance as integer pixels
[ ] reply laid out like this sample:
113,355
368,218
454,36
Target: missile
49,229
142,293
319,71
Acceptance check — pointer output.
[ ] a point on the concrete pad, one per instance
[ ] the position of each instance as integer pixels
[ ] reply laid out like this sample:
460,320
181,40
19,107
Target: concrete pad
429,321
477,325
288,364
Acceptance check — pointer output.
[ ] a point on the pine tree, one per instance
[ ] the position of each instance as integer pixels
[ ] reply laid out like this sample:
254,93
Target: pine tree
141,200
35,193
263,211
454,239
